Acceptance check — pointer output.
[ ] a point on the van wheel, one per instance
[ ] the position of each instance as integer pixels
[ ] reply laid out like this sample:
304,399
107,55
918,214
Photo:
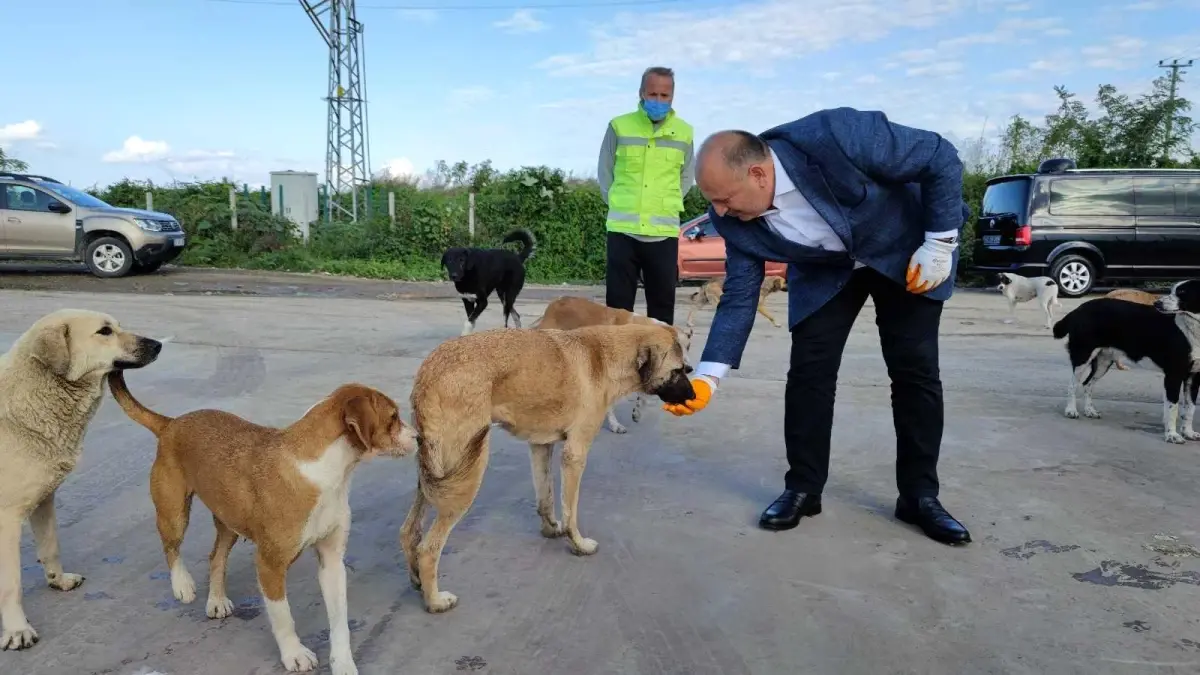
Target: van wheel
1075,275
108,258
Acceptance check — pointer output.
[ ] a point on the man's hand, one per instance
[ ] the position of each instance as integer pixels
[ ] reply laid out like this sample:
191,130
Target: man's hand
704,386
929,267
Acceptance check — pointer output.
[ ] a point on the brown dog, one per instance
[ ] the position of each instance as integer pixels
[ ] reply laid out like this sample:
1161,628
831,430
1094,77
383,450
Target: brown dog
542,386
1130,295
284,489
570,312
710,294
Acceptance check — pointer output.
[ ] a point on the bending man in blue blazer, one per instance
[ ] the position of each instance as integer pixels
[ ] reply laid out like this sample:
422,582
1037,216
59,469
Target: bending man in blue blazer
857,206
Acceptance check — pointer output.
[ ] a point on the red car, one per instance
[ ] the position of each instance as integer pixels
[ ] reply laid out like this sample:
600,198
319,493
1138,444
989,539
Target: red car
702,252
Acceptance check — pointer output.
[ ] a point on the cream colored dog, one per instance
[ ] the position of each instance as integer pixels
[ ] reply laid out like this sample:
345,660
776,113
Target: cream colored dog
52,384
570,312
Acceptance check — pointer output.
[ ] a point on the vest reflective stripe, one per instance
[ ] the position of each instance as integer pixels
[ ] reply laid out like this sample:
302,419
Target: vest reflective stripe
644,197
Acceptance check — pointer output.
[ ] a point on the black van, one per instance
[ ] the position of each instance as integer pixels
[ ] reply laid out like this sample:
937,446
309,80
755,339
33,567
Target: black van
1081,226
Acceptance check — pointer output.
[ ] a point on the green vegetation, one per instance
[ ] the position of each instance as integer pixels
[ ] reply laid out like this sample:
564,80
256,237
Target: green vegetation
567,215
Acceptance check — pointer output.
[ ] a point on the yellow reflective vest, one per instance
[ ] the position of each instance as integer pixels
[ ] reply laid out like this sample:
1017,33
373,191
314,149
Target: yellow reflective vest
645,198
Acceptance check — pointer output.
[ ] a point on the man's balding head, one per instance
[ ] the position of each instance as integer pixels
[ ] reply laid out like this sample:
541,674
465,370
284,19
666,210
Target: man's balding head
736,173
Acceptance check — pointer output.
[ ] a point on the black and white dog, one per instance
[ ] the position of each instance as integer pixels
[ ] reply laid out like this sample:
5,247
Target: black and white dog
1167,333
476,272
1016,288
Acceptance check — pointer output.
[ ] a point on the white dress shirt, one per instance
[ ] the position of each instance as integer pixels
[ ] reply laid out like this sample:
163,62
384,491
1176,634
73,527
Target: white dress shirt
794,219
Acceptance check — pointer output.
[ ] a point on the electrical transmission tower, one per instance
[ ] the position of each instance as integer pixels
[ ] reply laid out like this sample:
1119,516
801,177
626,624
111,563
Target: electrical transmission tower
347,152
1174,65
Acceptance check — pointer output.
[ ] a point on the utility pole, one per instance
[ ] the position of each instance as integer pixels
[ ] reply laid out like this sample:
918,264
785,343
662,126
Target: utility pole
1174,65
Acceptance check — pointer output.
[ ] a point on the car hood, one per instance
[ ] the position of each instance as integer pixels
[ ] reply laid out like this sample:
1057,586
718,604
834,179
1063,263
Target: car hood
137,213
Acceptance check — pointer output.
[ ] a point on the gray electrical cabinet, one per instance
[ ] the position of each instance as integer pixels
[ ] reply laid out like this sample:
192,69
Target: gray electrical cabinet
294,196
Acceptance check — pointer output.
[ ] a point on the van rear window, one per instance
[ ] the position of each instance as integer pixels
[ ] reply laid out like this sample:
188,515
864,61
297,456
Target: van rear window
1010,196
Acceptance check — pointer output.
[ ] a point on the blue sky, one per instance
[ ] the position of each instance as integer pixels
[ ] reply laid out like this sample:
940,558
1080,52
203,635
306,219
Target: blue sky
184,89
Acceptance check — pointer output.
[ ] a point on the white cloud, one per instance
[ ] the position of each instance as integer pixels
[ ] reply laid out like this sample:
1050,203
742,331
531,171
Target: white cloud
867,79
28,130
521,21
938,69
400,168
468,96
1119,54
765,32
137,151
418,15
1143,6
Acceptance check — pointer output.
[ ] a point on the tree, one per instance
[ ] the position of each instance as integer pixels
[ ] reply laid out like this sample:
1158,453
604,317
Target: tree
10,163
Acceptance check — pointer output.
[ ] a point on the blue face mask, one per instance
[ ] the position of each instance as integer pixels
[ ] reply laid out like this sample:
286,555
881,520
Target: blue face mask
656,110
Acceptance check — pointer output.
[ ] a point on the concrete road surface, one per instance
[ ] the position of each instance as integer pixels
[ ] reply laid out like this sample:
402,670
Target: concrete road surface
1082,560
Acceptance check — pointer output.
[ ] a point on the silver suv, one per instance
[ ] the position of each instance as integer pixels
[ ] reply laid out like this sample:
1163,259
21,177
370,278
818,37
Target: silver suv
44,219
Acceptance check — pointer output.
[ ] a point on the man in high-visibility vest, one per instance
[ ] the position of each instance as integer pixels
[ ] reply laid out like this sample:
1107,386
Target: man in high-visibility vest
645,169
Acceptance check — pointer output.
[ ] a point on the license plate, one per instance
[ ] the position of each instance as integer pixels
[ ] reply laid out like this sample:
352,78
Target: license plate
178,243
991,239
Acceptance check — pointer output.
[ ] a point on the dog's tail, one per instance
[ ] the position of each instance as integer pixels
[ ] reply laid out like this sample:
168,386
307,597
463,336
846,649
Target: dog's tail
1063,326
436,476
525,238
132,407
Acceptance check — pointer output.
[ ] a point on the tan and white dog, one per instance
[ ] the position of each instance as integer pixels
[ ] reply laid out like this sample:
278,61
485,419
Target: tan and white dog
570,312
51,384
284,489
712,290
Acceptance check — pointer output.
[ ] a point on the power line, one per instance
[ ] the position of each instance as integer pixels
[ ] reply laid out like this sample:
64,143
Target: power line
443,7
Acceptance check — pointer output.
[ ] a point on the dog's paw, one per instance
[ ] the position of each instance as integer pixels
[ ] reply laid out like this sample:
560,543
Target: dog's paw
442,602
1071,413
553,530
414,578
219,608
18,639
1174,437
298,659
65,581
636,413
1191,435
182,585
1091,413
584,546
617,427
342,665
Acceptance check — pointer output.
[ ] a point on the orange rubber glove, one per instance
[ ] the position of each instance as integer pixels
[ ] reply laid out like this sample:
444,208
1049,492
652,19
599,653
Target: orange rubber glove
704,387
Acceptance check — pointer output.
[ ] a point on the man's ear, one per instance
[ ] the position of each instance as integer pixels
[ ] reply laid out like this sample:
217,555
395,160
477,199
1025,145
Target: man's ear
360,418
51,347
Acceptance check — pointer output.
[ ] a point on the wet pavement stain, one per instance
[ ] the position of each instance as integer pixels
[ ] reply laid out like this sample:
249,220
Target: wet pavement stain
1113,573
113,560
322,637
1191,645
1137,626
1031,548
248,608
470,663
1170,545
98,595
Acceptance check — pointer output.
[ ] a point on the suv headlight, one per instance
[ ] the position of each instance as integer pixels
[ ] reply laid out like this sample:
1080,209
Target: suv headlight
148,225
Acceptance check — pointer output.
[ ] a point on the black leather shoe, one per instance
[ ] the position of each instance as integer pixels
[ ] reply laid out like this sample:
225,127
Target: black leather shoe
928,514
785,513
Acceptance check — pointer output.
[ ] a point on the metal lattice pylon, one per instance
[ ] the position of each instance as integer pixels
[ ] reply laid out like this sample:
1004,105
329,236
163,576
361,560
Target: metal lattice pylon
347,153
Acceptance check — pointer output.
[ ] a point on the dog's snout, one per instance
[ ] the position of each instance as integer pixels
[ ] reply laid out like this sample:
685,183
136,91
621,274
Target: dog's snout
149,346
687,370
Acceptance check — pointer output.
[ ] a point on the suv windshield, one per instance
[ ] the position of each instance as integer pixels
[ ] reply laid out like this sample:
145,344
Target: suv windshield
79,197
1009,196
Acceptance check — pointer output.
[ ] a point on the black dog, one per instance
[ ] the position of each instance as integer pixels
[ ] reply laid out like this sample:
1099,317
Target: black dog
476,272
1167,335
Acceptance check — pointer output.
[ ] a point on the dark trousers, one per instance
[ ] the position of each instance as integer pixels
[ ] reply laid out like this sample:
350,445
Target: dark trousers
908,333
656,262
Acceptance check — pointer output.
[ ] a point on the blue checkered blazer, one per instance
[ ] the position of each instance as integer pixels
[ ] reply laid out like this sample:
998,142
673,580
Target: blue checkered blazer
881,186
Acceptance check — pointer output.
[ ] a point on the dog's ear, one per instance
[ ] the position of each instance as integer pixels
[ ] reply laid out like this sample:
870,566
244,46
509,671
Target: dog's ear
51,347
361,421
647,360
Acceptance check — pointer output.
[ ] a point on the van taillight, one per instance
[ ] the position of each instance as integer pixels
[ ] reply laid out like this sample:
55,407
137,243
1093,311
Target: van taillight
1024,236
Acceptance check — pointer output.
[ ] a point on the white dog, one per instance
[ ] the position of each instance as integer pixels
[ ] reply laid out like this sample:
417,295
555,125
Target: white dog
1016,288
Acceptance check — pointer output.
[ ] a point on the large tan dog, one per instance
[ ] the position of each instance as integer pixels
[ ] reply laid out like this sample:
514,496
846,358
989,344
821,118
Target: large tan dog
284,489
710,294
570,312
1130,295
542,386
51,384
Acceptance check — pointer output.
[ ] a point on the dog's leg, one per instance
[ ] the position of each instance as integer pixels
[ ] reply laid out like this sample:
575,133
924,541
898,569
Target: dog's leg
1012,310
410,534
1049,312
473,315
1191,388
469,306
1078,373
639,399
331,575
219,604
1120,364
451,503
172,510
272,582
1100,366
543,488
574,461
44,524
17,633
1172,388
762,309
613,425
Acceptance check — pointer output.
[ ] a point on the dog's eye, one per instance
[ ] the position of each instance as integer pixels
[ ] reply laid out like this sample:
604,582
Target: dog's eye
105,330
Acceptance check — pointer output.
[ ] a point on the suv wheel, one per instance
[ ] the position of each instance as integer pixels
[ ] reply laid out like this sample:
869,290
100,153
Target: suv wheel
109,257
1075,275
